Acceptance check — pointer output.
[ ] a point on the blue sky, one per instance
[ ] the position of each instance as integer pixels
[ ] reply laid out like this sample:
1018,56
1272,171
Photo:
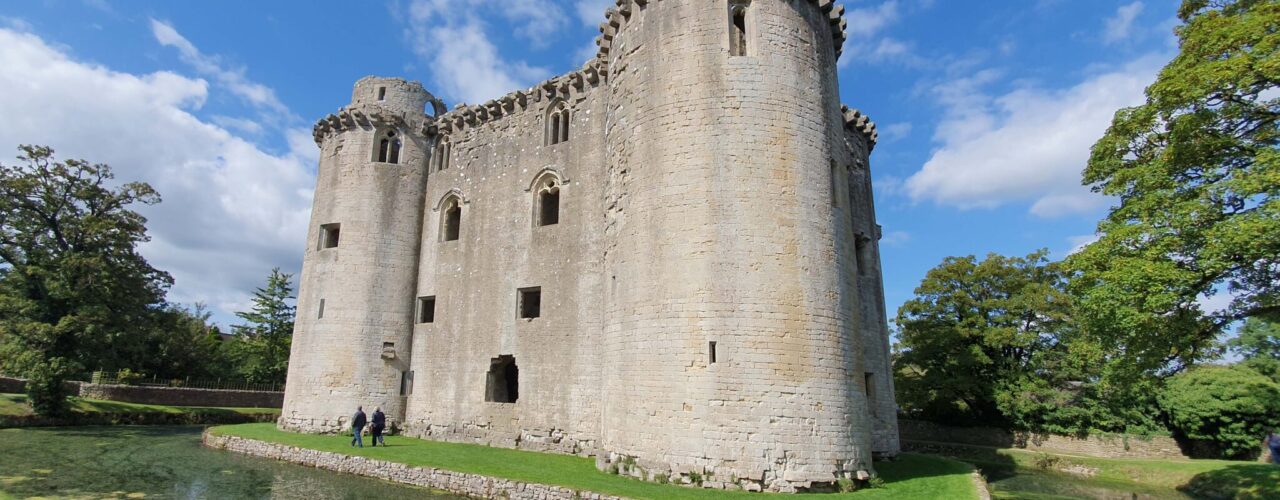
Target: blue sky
986,110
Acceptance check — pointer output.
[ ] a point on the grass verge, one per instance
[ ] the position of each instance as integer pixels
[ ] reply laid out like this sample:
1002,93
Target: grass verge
1198,478
909,477
16,405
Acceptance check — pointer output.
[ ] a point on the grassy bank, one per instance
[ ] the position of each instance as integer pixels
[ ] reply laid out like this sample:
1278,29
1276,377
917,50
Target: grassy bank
1198,478
15,411
911,476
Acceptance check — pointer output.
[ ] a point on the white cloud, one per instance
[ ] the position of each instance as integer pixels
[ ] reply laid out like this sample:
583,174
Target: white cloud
230,212
1120,25
1028,144
1079,242
465,63
895,238
895,131
866,43
591,12
234,80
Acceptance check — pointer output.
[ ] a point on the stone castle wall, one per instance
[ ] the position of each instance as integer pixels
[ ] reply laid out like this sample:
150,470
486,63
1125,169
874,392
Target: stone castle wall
704,199
496,168
725,228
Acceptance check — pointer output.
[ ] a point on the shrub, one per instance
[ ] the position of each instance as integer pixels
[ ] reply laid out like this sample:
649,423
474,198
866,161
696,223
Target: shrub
846,485
46,388
1228,407
1046,461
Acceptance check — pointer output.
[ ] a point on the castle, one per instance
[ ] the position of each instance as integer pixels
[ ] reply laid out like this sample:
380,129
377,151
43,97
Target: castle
667,259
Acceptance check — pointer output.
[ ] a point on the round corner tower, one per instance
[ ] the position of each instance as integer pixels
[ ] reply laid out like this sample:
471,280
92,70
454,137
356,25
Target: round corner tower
731,336
355,298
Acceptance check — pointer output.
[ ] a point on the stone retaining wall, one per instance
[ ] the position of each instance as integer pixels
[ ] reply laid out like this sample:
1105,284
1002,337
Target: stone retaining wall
180,396
1103,446
453,482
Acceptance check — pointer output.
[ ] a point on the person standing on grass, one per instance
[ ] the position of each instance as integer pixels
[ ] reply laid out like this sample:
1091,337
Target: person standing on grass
357,426
1273,443
379,424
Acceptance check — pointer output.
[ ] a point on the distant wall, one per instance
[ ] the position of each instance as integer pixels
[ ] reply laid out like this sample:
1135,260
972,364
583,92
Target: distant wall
12,385
178,396
918,435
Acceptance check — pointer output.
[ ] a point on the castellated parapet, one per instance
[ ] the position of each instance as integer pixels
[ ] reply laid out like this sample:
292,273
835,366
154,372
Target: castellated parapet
667,259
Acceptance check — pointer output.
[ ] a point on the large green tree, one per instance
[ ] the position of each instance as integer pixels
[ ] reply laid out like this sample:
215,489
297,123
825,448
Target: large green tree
1196,173
74,289
984,342
263,342
1258,345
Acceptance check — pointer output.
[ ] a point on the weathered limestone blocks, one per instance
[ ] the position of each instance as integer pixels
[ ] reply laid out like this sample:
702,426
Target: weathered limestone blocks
427,477
706,299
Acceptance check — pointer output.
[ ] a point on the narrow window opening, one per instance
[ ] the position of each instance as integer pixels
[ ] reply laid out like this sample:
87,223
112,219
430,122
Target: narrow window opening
564,126
738,30
329,234
394,155
406,383
835,185
869,382
427,309
557,124
530,302
863,253
555,128
502,384
389,148
382,93
320,311
711,352
452,220
440,156
549,206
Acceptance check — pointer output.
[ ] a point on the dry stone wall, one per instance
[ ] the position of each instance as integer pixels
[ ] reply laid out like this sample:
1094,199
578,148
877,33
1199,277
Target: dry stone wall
927,436
427,477
178,396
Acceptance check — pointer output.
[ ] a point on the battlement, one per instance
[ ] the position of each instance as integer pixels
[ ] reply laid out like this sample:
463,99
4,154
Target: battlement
616,18
859,123
591,75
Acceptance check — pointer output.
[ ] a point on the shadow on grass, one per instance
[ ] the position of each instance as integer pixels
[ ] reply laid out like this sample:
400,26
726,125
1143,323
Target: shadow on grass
1243,481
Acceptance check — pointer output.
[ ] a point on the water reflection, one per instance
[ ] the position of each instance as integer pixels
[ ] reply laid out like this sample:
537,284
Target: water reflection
164,462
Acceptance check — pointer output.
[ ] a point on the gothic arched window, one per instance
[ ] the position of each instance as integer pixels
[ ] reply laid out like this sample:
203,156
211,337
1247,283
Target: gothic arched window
451,219
388,148
557,123
547,201
440,156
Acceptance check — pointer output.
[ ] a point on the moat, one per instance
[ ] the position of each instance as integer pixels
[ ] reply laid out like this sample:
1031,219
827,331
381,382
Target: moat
163,462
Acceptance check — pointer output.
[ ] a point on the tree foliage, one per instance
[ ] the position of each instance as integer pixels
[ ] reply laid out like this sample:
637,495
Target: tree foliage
982,341
262,343
1258,345
1197,173
1230,407
74,287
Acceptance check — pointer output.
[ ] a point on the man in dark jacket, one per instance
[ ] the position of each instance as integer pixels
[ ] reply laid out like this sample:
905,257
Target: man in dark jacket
379,424
357,426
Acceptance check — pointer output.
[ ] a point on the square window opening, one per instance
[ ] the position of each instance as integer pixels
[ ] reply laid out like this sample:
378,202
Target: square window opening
530,302
382,93
329,234
427,309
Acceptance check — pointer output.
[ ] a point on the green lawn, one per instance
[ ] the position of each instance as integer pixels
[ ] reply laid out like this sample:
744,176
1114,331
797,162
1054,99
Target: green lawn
911,476
16,405
1199,478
